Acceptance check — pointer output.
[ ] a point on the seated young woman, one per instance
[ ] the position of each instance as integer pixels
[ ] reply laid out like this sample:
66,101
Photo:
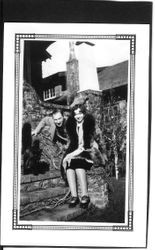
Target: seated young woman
80,127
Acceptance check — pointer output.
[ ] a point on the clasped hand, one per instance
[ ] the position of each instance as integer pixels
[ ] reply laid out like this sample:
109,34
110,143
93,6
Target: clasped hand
69,157
67,160
33,133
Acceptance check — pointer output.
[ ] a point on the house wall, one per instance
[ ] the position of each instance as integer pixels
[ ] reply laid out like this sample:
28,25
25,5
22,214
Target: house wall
33,108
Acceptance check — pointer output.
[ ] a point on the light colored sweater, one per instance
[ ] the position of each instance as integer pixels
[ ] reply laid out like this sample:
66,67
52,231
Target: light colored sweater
46,122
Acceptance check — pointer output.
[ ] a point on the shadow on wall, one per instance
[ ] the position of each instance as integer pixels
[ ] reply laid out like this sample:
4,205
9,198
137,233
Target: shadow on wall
31,153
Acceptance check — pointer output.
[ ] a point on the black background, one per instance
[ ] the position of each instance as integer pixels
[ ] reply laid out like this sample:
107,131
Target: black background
76,11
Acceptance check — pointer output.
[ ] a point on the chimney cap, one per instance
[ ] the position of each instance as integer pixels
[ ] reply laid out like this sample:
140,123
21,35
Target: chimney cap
88,43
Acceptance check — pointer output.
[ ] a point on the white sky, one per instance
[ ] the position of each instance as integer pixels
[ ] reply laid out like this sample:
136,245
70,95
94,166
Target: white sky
106,53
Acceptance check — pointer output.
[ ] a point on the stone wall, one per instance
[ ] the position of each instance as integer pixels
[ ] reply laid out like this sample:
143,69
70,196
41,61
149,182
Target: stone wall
93,104
110,117
107,115
33,108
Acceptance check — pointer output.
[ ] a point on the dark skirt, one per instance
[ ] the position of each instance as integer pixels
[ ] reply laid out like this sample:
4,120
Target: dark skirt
80,164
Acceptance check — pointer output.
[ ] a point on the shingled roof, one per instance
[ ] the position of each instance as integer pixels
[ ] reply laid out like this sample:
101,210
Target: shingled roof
113,76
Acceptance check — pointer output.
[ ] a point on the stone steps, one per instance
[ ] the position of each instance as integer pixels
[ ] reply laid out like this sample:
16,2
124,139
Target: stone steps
41,186
60,213
40,195
37,191
31,178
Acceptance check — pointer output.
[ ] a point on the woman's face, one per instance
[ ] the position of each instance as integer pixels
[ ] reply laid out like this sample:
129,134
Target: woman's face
78,115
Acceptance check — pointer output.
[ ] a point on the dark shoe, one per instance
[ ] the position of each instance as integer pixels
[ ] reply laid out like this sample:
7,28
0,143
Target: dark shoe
73,202
84,201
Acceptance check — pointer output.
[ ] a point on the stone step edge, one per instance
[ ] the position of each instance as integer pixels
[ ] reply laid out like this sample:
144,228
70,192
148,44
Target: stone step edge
47,204
40,195
75,212
67,214
42,185
25,179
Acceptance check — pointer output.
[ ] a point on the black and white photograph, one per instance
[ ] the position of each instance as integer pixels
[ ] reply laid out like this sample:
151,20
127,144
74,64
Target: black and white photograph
76,161
74,130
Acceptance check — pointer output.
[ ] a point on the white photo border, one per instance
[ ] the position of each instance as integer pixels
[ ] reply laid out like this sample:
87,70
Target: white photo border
19,37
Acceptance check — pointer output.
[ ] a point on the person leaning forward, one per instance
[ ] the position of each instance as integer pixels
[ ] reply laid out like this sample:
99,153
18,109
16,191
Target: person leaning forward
55,123
56,126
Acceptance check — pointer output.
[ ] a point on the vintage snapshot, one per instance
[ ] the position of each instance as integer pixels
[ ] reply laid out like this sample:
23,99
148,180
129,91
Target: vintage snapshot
74,131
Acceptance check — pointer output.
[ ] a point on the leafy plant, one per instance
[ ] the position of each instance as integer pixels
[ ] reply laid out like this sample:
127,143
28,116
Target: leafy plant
115,129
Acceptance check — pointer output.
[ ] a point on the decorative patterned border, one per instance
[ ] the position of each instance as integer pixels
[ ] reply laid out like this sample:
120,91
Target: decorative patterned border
18,38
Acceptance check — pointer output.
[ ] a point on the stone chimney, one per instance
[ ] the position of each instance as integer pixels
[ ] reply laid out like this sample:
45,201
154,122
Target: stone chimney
72,73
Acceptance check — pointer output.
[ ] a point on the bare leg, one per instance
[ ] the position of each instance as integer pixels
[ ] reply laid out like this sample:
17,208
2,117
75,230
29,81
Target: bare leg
71,177
82,178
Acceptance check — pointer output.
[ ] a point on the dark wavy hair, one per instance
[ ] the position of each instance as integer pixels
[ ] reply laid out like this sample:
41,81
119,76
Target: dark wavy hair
78,106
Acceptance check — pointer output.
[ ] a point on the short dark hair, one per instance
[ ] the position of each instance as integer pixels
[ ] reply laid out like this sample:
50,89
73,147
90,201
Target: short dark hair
57,110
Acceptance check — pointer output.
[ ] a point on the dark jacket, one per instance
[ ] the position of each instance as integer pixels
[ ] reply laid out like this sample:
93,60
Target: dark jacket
88,132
